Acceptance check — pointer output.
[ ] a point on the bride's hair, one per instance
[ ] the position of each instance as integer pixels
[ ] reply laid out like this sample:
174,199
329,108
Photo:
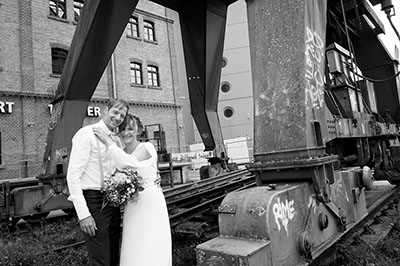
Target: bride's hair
130,117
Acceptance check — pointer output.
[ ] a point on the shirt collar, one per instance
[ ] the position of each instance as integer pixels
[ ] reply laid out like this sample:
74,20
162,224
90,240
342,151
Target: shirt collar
103,126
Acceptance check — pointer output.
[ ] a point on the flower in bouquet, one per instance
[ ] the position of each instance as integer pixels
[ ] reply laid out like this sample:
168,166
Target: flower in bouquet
122,186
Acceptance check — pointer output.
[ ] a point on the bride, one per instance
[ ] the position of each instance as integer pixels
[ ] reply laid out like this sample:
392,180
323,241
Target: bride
146,233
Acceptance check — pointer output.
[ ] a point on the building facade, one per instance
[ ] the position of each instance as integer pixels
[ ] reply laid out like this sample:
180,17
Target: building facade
145,70
235,106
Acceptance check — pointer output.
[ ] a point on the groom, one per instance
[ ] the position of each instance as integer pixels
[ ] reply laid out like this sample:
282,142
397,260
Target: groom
90,162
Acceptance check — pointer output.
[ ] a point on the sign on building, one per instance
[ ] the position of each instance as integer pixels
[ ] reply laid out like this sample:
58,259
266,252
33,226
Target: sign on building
6,107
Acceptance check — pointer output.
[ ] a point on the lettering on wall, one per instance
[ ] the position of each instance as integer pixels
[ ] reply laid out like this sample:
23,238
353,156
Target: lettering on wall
6,107
284,212
92,111
314,55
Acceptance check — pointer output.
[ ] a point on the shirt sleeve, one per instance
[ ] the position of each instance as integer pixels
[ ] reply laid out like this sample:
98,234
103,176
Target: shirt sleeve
77,164
123,159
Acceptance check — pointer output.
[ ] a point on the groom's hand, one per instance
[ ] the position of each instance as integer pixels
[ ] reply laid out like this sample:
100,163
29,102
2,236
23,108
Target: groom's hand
88,226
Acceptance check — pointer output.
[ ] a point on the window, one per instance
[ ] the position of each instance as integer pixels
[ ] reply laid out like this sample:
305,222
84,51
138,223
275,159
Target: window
228,112
224,62
225,88
136,73
57,8
152,76
133,27
58,57
78,5
149,31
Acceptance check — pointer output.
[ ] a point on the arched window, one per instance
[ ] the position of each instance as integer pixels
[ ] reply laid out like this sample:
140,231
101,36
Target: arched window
136,73
133,27
78,5
58,57
149,32
152,76
58,8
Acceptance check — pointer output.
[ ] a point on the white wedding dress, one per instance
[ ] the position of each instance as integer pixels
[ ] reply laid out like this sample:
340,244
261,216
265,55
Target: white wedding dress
146,232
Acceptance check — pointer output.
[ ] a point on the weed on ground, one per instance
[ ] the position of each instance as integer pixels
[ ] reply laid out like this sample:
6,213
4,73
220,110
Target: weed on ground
43,246
357,252
40,245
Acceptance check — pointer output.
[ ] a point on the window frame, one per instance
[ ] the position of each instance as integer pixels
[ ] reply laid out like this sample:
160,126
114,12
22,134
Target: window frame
134,71
58,5
78,6
153,74
230,109
223,85
133,23
60,60
149,30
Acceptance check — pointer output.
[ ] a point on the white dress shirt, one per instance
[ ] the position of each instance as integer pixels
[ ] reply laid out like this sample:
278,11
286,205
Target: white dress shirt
84,169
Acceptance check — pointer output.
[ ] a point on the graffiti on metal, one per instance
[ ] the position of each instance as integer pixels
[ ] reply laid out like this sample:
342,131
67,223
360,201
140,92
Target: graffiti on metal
55,115
312,204
284,212
200,255
205,135
339,188
61,154
314,55
258,210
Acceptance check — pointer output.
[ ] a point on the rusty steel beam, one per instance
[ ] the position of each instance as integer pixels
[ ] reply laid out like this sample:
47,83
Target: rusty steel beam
97,34
287,51
203,31
99,29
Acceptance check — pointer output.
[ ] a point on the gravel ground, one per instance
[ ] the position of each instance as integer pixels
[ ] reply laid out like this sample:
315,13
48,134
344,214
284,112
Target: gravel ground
36,247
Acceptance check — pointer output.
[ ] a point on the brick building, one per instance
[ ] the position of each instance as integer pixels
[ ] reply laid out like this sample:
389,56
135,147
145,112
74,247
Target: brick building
145,69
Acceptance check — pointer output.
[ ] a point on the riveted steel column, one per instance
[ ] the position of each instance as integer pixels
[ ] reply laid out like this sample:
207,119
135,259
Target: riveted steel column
287,44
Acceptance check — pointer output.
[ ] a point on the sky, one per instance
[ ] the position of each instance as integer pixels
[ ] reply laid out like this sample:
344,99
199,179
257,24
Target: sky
390,39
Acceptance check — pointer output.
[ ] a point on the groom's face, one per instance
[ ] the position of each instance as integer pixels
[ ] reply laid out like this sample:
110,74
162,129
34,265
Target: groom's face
114,116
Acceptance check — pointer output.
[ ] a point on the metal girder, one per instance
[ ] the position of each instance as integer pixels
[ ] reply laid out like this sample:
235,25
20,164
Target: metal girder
203,39
366,9
203,31
96,36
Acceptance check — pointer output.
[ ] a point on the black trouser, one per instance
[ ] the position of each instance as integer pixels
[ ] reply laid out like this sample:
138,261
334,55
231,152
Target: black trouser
103,248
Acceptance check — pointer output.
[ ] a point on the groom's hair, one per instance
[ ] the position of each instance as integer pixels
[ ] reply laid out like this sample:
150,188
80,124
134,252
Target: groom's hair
117,103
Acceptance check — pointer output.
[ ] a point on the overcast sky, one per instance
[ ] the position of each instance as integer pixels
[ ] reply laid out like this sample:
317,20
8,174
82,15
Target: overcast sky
390,39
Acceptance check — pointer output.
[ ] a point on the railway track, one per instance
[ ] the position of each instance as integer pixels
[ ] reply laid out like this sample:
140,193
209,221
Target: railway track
189,202
378,205
201,185
205,195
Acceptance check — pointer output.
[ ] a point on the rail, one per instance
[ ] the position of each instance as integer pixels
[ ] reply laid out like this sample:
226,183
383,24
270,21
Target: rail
324,251
190,188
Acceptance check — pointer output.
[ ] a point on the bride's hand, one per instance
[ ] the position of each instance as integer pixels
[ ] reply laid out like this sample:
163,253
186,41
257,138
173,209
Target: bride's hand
102,136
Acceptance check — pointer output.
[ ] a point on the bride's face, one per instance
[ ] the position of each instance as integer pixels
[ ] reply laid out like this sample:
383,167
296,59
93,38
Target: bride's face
129,133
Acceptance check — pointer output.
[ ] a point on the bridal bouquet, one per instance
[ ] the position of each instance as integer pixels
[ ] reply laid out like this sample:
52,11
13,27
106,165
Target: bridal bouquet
122,186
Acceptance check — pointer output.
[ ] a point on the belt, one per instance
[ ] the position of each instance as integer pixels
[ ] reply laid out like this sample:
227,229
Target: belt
93,192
